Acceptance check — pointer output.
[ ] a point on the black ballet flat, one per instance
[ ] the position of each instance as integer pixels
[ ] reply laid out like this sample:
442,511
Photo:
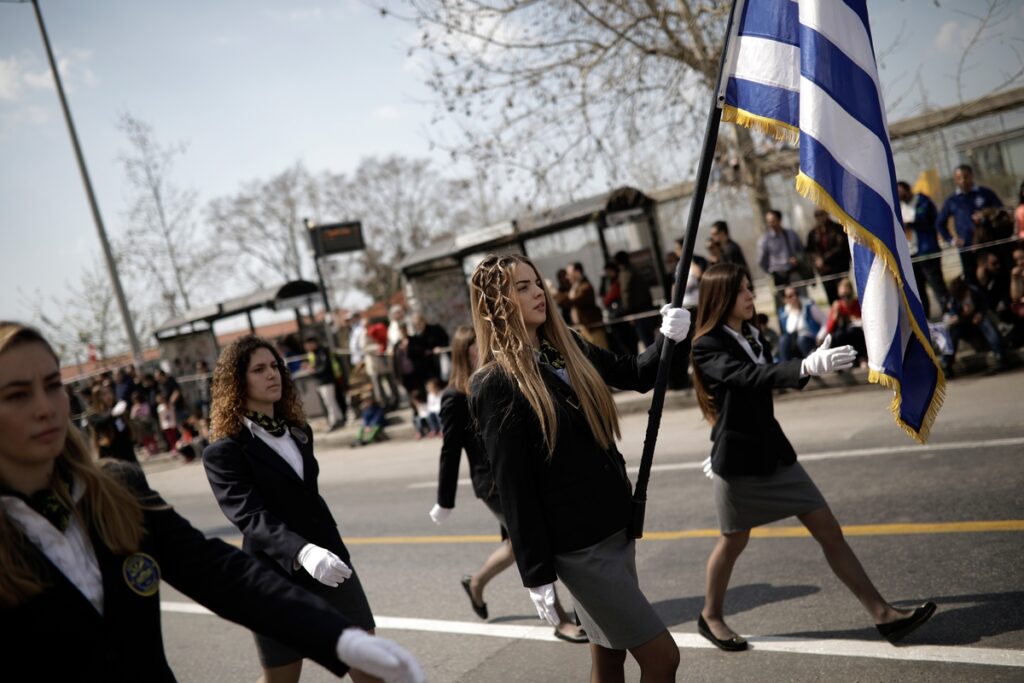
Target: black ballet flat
734,644
895,631
581,638
481,609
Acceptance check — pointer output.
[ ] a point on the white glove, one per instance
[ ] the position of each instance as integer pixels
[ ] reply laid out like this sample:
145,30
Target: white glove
707,468
439,514
544,600
675,322
378,657
825,360
323,565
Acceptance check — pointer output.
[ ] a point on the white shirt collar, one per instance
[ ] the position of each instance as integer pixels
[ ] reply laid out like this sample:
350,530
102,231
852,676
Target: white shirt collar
759,359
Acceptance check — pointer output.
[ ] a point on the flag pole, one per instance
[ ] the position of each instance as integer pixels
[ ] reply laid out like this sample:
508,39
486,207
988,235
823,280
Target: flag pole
682,270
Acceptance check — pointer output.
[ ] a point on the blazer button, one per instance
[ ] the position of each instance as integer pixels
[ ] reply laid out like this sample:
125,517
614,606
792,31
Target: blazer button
607,468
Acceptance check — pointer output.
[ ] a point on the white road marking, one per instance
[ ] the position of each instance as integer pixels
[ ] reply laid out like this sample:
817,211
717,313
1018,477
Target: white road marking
825,455
984,656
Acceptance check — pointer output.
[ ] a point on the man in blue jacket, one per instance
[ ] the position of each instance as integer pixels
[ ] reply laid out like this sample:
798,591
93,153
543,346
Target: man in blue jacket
919,214
962,205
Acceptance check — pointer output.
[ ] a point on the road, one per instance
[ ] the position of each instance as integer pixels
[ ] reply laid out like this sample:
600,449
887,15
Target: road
943,522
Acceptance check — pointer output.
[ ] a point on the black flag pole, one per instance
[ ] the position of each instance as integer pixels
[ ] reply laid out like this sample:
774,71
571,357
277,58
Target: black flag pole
682,270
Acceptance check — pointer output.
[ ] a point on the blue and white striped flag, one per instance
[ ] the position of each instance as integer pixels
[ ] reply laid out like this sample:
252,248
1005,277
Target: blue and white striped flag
805,71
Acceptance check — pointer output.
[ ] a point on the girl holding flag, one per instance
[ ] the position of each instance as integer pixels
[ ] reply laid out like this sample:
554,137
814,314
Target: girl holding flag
548,425
757,479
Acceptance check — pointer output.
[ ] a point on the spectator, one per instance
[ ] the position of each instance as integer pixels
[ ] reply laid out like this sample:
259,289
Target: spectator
779,252
322,366
966,318
919,216
434,389
169,388
585,315
124,385
1017,282
427,347
994,286
802,326
291,352
768,334
730,251
679,373
109,427
844,321
829,252
560,293
356,338
397,326
168,421
378,365
1018,213
374,419
204,380
425,423
636,299
715,255
623,337
962,206
144,426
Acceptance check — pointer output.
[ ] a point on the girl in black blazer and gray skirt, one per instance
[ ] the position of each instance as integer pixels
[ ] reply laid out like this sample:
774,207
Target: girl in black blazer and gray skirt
264,476
757,478
549,425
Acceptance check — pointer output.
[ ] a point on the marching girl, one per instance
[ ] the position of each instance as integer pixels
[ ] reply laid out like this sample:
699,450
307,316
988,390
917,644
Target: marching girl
549,425
84,547
264,476
757,478
460,435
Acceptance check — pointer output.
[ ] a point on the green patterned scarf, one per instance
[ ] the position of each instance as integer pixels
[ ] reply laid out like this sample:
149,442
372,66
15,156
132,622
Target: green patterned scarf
273,425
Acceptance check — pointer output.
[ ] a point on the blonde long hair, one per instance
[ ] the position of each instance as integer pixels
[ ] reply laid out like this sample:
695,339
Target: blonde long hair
502,344
107,506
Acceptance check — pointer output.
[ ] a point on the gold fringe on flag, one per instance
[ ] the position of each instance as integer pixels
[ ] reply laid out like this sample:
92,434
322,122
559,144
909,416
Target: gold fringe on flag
777,129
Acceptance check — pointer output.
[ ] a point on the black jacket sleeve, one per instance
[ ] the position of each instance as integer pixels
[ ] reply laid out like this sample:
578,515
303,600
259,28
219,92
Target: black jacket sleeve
454,421
231,480
718,364
510,435
634,372
233,585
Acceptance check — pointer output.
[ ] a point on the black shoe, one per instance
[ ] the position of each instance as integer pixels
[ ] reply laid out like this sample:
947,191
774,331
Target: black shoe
481,609
734,644
899,629
581,638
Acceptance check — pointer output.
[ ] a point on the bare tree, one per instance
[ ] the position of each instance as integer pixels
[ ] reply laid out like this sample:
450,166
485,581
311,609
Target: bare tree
88,314
164,247
404,205
588,91
263,223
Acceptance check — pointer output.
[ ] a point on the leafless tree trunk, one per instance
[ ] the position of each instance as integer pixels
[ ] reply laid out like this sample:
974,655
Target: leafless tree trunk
164,247
591,92
262,223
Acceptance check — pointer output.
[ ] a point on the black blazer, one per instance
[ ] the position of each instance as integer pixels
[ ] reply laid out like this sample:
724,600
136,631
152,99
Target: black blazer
578,496
460,435
747,438
58,635
276,512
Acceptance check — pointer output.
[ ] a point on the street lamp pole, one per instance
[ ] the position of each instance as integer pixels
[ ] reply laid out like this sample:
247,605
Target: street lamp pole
108,255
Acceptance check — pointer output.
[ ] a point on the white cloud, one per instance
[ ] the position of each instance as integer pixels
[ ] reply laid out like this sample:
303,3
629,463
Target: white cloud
10,80
387,112
952,36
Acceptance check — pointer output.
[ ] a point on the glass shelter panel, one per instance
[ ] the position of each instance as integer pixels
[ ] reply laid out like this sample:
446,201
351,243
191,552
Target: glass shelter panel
552,252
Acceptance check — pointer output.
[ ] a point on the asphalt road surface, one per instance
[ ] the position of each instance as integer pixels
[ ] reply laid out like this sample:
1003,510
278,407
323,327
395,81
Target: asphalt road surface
943,522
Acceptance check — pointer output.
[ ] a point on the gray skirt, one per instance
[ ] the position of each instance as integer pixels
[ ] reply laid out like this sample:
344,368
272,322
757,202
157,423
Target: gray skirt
348,598
603,583
746,502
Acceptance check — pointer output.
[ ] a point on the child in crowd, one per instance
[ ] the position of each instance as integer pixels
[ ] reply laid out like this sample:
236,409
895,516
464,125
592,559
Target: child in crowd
434,388
168,421
374,420
425,423
143,423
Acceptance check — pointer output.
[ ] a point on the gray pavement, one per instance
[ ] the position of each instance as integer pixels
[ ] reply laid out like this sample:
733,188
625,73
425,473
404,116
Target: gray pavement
904,509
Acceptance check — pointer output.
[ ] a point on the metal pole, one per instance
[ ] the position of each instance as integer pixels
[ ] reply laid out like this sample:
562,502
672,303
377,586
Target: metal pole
682,270
108,255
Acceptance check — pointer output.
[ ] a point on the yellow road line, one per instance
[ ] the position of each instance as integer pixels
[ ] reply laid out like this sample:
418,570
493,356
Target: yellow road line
761,532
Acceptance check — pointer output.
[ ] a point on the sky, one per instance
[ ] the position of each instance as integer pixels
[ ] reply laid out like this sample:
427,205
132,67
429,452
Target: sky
252,86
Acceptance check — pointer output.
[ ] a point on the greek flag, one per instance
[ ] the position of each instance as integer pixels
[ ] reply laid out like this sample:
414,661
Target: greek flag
805,72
